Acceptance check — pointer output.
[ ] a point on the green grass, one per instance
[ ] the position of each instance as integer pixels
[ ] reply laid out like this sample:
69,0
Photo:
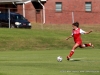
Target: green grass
34,51
86,62
43,39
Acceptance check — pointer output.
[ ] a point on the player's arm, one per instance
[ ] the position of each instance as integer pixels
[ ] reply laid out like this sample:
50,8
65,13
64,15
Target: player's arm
69,37
88,32
84,32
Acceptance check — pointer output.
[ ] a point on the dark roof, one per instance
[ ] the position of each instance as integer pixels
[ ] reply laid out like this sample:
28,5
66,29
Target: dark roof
9,0
16,0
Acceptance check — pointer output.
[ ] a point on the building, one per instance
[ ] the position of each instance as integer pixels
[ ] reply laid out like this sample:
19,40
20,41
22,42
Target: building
55,11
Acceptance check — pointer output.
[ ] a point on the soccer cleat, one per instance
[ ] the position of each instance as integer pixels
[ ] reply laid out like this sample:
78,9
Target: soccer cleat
68,58
91,45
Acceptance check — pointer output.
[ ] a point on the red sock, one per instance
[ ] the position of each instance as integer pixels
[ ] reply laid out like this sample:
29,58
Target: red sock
71,53
87,45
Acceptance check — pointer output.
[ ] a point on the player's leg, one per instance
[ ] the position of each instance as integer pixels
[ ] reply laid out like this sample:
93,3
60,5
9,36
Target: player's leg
72,51
86,45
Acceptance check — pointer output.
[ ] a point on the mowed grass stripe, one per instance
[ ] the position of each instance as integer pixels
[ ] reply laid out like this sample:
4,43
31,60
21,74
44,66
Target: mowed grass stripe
44,62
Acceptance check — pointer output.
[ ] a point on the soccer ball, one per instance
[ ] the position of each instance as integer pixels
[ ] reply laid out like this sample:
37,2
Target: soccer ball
59,59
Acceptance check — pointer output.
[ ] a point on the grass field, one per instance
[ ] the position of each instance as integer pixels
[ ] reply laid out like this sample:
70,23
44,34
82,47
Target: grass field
86,62
34,52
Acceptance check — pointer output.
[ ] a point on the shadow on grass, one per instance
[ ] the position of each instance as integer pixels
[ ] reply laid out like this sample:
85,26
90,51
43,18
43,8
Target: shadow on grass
75,60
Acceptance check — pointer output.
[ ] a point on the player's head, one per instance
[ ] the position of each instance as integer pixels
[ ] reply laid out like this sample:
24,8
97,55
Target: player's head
76,24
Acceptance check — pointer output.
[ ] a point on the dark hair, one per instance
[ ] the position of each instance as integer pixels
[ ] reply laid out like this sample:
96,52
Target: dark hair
76,24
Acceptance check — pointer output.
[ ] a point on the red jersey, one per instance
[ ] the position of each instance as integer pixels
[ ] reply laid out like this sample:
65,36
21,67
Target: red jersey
77,35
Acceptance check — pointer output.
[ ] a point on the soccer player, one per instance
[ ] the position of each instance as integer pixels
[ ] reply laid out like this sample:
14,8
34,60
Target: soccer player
76,34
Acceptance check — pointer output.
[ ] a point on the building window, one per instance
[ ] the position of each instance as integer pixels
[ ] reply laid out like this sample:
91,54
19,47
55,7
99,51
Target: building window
58,6
88,6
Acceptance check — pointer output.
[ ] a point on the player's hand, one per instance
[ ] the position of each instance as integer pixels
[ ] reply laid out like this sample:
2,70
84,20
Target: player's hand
67,38
90,31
